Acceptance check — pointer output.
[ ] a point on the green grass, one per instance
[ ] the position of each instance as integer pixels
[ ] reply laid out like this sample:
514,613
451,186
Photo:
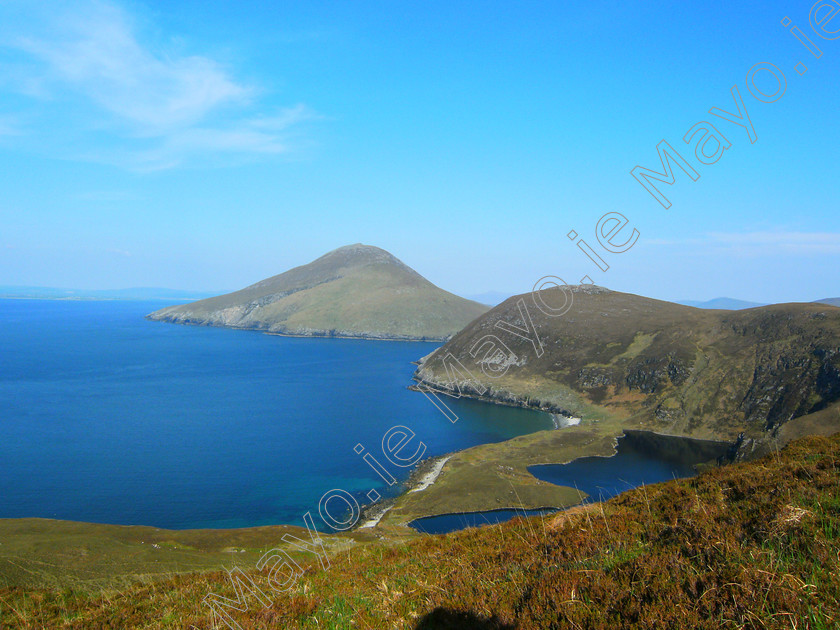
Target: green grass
45,553
495,476
750,545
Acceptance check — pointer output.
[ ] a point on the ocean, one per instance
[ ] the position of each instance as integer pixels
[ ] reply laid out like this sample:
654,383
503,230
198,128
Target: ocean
109,418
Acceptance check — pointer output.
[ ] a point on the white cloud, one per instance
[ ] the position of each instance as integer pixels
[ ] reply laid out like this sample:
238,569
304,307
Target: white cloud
98,54
762,243
165,108
778,238
246,138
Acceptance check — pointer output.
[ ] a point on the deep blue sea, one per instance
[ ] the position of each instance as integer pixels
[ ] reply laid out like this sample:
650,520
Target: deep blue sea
110,418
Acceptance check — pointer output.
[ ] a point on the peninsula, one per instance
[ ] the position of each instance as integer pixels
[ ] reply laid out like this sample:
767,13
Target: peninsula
354,291
768,374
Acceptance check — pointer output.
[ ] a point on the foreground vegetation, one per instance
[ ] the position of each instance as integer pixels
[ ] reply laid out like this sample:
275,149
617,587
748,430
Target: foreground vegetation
50,554
753,545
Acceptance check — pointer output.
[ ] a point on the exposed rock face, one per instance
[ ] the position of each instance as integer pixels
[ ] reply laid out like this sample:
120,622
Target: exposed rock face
671,368
353,291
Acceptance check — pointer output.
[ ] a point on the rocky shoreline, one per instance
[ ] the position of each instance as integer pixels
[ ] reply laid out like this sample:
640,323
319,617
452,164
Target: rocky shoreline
421,477
427,472
307,333
501,397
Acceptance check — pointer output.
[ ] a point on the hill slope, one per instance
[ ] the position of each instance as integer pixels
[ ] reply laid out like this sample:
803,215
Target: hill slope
353,291
671,368
753,545
831,301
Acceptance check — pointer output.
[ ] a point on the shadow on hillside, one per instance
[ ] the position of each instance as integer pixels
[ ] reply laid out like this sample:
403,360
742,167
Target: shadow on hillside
445,619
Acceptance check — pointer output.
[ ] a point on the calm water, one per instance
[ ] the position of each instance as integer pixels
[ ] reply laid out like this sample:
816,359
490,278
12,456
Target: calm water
605,477
446,523
638,461
109,418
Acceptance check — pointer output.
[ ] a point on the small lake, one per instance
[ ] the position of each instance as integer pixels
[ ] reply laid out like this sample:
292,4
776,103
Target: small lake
446,523
641,458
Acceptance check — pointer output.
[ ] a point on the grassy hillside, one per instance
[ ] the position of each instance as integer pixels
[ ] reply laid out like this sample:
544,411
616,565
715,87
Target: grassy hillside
652,364
751,545
354,291
47,553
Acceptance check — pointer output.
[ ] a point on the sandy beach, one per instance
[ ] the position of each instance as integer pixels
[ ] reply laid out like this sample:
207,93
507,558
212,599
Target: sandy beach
561,421
429,478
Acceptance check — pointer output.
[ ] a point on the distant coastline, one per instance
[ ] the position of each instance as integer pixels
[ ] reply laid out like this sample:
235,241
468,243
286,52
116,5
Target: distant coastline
134,294
87,298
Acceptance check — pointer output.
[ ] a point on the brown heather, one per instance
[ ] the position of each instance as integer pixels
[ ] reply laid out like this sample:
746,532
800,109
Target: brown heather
752,545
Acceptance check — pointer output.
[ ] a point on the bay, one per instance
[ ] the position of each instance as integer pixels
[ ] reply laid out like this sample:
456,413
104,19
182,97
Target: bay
107,417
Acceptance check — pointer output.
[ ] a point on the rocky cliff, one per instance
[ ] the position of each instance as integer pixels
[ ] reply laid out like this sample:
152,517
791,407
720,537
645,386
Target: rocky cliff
657,365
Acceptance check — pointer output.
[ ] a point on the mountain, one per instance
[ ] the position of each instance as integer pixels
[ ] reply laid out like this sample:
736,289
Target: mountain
722,303
646,363
831,301
353,291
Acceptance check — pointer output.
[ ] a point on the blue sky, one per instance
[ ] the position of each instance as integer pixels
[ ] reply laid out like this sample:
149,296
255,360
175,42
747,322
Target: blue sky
208,145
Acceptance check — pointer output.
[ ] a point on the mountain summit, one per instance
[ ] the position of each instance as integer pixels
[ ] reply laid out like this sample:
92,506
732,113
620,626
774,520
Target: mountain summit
771,372
353,291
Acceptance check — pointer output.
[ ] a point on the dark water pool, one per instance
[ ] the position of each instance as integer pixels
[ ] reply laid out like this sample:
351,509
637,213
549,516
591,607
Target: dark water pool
446,523
641,458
